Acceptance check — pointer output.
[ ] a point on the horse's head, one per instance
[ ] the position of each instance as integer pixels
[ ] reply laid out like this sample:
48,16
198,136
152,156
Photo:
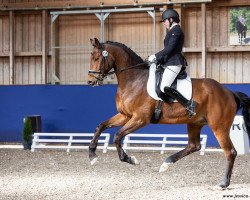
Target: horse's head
101,63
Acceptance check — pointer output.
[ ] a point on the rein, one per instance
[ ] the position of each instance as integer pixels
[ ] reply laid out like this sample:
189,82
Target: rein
124,69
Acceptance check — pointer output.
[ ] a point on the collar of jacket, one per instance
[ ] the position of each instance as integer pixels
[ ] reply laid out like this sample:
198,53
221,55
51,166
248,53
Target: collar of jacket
173,25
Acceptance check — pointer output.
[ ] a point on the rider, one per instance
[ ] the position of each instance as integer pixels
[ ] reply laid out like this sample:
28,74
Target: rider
242,20
172,59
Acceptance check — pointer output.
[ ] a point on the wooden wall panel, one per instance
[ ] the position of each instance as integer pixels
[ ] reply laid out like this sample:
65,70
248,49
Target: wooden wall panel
76,31
4,33
229,67
194,65
28,32
28,38
4,71
28,70
246,67
192,24
217,26
4,50
134,30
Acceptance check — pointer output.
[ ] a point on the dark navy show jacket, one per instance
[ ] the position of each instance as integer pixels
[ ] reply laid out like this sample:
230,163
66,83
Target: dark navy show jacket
172,52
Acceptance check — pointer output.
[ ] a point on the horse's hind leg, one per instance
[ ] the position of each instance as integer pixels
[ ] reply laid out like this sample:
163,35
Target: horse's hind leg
117,120
222,135
193,146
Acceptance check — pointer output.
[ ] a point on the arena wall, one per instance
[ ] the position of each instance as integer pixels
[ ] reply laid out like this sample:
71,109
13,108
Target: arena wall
72,108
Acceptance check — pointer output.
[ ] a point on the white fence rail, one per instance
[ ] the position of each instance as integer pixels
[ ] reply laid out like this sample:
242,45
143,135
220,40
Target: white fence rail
134,141
158,142
68,141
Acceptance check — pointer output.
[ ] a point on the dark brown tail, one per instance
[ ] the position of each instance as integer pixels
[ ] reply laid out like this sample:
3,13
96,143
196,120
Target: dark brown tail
243,101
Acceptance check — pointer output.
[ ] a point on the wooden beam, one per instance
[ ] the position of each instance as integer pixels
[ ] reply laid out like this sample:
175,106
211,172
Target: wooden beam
12,48
45,42
191,50
54,51
28,53
215,49
4,54
91,3
229,3
203,40
229,49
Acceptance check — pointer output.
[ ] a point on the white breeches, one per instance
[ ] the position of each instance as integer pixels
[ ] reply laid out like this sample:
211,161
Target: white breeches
169,75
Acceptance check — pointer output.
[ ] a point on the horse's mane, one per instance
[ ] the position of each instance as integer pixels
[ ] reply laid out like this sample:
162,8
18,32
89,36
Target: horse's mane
127,49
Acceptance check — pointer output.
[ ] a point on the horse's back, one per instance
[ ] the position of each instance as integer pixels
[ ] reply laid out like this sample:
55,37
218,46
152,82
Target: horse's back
214,97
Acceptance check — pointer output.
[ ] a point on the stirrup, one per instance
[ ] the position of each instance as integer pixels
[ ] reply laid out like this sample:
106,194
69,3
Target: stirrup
191,108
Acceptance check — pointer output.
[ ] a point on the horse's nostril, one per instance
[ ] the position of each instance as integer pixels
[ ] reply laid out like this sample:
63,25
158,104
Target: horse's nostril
89,82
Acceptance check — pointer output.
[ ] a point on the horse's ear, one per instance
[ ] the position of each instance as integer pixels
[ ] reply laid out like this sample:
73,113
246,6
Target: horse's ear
92,41
95,42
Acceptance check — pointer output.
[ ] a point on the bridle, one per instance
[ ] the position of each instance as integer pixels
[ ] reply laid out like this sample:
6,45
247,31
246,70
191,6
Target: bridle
100,74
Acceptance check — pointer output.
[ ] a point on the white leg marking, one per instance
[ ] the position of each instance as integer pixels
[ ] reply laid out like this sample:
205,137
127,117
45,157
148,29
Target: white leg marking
134,160
92,162
164,167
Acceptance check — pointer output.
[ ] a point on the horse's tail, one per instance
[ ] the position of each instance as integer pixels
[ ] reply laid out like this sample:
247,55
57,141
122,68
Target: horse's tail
243,101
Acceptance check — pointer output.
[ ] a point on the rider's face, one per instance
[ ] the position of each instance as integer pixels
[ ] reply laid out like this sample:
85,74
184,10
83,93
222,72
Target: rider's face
166,23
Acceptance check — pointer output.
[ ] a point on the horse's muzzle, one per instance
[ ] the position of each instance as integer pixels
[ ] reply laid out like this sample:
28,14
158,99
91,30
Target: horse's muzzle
91,83
95,82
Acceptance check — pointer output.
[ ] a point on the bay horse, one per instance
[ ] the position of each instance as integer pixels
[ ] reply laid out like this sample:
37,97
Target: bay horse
241,30
216,105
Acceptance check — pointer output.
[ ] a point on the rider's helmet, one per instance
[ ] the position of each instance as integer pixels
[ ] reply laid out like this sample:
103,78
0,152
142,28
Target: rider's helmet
170,13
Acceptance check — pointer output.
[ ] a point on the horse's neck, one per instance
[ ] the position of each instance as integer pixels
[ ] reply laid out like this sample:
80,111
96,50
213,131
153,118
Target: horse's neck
125,72
129,77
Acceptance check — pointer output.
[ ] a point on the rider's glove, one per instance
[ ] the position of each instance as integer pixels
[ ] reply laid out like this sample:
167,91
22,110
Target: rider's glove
152,58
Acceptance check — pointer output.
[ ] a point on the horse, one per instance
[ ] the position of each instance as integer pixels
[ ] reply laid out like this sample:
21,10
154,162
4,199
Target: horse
241,30
216,106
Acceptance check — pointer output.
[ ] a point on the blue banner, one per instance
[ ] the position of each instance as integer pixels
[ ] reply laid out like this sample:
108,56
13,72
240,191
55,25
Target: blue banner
72,108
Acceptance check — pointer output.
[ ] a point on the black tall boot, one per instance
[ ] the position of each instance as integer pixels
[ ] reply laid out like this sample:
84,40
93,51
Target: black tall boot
189,105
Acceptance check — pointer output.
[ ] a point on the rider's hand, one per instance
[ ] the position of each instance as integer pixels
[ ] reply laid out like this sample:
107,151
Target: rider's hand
151,58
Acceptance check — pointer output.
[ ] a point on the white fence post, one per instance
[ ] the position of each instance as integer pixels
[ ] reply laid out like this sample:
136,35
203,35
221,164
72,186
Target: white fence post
163,144
203,144
69,143
34,143
106,143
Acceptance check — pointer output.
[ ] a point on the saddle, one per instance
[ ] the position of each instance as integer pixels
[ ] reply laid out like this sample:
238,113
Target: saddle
164,97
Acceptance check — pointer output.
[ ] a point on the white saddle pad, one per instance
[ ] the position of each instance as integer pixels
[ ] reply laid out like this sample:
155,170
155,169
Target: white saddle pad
184,86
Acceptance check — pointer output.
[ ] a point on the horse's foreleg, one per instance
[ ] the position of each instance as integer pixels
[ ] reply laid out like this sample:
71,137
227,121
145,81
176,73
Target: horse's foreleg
193,146
132,125
117,120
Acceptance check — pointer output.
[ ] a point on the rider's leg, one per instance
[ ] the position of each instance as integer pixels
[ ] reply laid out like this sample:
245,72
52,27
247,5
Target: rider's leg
189,105
168,77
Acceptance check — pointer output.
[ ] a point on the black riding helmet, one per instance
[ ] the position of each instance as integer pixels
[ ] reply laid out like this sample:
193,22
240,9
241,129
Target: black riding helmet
170,13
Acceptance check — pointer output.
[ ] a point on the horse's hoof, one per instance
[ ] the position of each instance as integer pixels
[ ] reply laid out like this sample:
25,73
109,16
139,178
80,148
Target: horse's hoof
134,161
93,161
219,187
164,167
